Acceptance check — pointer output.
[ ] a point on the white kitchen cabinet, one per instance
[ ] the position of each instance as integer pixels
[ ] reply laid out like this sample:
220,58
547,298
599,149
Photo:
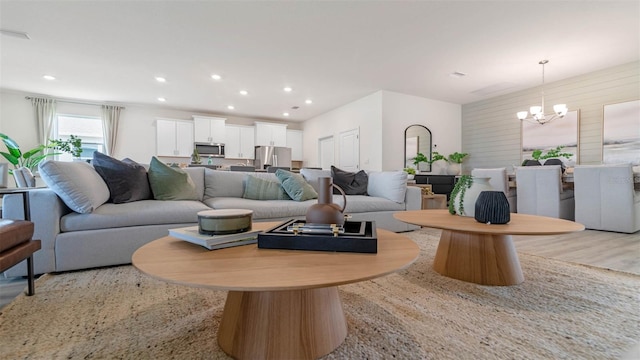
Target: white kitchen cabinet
271,134
294,141
174,137
210,130
239,143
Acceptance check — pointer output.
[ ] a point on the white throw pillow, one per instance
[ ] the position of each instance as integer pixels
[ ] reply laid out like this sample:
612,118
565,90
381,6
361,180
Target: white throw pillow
77,183
391,185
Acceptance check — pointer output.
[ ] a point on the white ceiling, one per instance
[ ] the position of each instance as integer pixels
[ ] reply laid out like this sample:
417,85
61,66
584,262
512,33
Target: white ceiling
331,52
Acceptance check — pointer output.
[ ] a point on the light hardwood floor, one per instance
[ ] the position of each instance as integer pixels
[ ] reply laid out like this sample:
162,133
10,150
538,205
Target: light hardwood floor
609,250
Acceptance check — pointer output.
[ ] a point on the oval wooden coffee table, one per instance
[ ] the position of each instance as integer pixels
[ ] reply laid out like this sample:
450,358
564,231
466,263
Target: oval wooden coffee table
483,253
282,304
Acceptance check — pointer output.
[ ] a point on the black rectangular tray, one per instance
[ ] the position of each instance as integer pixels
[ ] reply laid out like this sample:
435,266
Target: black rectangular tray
352,240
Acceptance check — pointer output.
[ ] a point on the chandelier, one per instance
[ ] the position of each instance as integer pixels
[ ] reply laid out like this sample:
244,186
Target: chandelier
537,112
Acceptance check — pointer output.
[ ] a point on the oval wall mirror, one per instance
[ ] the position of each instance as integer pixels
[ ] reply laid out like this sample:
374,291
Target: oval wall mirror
417,139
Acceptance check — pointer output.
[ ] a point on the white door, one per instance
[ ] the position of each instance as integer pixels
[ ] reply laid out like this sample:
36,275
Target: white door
325,152
349,150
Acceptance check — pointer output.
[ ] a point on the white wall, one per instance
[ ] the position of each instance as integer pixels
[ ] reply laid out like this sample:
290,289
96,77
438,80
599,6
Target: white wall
382,118
365,114
492,132
137,129
400,111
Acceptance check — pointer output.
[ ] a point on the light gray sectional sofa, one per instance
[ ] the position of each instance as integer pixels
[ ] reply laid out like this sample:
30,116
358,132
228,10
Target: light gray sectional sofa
110,233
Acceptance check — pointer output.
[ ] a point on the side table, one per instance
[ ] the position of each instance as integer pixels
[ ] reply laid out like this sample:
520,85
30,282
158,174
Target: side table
434,201
25,199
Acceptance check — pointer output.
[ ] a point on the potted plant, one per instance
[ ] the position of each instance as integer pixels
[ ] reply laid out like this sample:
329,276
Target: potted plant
411,172
456,158
72,146
31,158
420,157
538,155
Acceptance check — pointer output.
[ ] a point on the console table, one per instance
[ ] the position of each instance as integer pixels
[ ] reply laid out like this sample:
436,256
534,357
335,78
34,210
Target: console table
440,184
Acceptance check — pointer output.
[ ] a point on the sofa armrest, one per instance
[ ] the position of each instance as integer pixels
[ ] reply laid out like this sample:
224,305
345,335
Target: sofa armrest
413,198
46,211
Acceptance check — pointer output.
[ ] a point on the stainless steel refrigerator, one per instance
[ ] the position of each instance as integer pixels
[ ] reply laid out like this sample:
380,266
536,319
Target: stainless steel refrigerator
266,156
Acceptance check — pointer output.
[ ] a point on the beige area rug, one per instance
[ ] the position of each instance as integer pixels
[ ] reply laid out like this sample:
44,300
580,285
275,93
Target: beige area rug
561,311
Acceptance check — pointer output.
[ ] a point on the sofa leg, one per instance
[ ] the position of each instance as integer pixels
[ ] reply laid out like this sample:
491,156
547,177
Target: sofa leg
31,286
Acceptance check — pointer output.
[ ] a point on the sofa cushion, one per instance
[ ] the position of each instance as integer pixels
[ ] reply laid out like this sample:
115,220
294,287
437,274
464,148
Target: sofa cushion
77,183
391,185
364,204
127,180
229,183
197,176
296,186
272,209
169,183
351,183
137,213
312,176
261,189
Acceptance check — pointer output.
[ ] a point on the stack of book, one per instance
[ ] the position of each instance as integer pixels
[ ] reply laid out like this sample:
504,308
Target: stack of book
213,242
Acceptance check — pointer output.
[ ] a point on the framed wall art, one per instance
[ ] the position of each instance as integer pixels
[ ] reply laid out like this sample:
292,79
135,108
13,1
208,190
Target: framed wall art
621,133
559,132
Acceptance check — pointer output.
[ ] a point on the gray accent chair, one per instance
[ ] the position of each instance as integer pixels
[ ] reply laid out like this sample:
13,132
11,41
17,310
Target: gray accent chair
500,182
606,199
540,192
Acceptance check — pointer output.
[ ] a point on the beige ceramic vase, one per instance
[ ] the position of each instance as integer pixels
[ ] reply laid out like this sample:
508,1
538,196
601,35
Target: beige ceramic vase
325,211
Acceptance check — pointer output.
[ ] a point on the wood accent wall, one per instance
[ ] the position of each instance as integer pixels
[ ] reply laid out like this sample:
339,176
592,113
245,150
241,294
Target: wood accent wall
491,132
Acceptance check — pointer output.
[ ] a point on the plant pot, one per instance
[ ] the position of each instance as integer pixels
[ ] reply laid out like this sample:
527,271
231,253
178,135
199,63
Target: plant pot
454,169
492,207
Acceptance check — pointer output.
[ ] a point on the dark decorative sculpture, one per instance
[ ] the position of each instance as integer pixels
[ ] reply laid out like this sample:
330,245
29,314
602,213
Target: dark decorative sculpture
326,212
492,207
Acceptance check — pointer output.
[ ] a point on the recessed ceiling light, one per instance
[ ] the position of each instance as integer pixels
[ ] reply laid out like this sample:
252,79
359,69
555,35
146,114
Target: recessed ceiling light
216,77
287,89
285,114
308,101
244,92
161,99
457,74
48,77
231,107
160,79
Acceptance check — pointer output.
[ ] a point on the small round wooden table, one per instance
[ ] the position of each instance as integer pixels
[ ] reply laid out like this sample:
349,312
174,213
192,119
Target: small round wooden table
282,304
483,253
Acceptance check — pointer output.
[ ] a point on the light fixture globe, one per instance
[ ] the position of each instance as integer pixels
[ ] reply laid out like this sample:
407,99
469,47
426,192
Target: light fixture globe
537,112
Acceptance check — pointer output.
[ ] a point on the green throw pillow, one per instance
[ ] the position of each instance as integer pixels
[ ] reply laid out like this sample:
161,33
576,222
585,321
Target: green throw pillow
169,183
296,186
260,189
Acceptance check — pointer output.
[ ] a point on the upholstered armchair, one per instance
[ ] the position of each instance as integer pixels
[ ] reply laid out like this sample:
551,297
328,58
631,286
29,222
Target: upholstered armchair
540,192
500,182
605,198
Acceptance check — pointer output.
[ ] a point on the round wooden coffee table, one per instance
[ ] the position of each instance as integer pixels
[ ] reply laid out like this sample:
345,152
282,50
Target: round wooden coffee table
483,253
282,304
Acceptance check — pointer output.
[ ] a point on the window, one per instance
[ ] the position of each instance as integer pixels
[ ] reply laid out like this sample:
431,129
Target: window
88,128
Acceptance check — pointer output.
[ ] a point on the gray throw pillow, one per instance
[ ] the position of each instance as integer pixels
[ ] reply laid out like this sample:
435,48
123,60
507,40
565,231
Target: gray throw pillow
126,179
295,186
351,183
169,183
260,189
76,183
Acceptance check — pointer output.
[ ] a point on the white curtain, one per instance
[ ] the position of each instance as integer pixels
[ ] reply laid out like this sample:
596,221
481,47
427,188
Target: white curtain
44,111
110,119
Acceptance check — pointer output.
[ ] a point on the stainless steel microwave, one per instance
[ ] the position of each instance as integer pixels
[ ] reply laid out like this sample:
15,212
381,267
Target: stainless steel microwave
213,150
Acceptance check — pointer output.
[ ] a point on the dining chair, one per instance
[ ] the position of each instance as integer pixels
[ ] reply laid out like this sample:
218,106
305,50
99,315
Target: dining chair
606,199
540,192
500,182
